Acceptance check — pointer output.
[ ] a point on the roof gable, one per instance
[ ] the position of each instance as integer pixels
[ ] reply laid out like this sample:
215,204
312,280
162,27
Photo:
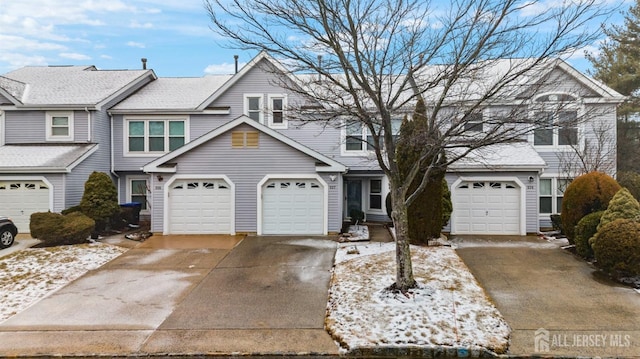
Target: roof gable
262,56
159,165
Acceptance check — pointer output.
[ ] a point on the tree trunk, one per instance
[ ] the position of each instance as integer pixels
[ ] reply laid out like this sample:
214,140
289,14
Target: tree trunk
404,270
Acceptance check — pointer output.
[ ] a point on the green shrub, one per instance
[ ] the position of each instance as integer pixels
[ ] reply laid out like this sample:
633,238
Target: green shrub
44,225
57,229
586,194
100,199
617,248
556,222
585,229
76,228
71,210
621,206
630,180
357,216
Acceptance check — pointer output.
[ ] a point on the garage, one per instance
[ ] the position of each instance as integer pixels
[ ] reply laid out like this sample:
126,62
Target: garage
200,206
22,198
293,206
486,207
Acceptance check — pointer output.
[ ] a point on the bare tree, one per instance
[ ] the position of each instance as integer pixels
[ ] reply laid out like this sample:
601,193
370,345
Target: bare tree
597,152
378,56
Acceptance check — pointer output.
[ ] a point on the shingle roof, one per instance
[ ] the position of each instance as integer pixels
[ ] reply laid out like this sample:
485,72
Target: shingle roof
504,156
42,158
67,85
185,93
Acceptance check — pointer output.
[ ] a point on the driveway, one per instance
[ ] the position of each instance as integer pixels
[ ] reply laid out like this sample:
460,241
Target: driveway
555,303
187,295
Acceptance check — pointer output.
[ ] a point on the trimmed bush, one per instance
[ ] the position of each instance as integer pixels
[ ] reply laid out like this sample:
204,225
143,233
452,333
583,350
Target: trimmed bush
617,248
556,222
71,210
630,180
357,216
585,229
100,199
57,229
45,225
621,206
586,194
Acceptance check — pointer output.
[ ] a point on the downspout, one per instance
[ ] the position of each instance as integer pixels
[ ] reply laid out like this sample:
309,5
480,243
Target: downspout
113,168
88,124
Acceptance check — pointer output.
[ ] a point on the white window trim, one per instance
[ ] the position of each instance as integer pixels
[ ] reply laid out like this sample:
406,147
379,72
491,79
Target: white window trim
382,194
2,135
554,195
260,105
130,191
544,107
285,122
343,146
125,140
50,115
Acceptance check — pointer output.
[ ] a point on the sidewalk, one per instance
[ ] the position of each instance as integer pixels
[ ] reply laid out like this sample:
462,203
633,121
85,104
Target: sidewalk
189,296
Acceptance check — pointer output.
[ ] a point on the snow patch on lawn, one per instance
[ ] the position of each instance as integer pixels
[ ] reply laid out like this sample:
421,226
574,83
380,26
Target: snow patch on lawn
449,309
29,275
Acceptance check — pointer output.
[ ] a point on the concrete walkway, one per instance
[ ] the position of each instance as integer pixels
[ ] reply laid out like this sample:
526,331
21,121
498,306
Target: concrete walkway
555,303
189,295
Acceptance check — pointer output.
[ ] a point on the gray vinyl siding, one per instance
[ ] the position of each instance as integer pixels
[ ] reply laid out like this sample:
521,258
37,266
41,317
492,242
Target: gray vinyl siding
25,127
30,127
531,193
246,167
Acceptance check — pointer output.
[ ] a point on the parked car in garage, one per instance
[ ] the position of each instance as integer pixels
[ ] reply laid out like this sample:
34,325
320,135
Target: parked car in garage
8,232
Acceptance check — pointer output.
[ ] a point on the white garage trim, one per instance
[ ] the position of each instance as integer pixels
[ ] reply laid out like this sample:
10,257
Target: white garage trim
31,179
523,212
167,189
325,197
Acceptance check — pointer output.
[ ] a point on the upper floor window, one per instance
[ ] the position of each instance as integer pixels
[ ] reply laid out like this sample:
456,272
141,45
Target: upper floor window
357,137
155,135
253,107
59,126
474,123
277,105
557,129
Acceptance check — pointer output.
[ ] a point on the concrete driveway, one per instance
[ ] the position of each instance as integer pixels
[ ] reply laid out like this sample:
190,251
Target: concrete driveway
193,295
555,303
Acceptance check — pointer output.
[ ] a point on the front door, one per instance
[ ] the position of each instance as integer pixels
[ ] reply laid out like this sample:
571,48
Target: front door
353,193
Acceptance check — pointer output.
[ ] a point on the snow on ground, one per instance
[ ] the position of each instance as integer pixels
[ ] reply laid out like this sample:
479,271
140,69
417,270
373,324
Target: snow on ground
449,309
29,275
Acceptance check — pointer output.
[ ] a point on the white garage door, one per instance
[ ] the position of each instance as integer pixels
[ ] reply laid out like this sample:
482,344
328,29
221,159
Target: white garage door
487,207
19,199
200,207
293,206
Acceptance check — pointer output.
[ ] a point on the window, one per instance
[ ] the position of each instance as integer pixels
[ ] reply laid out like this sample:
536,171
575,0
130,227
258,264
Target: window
375,194
138,190
474,123
59,126
355,137
253,107
357,133
551,193
277,105
155,136
558,121
244,139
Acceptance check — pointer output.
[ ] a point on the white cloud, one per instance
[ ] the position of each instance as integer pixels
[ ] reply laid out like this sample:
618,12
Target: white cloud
223,68
136,25
106,57
20,44
135,44
11,61
74,56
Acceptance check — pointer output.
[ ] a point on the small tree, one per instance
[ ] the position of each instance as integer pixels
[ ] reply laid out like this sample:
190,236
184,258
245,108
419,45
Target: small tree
100,199
425,214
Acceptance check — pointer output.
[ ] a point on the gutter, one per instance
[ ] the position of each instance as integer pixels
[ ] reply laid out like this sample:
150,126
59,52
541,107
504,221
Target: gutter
113,167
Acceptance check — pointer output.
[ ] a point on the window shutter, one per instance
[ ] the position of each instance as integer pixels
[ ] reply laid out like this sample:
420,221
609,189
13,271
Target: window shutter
237,139
252,139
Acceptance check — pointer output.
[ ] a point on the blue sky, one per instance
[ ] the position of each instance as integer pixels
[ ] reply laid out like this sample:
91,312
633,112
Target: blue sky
174,36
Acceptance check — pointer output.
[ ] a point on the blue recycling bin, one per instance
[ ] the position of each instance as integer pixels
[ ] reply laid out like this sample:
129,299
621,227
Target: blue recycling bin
132,210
